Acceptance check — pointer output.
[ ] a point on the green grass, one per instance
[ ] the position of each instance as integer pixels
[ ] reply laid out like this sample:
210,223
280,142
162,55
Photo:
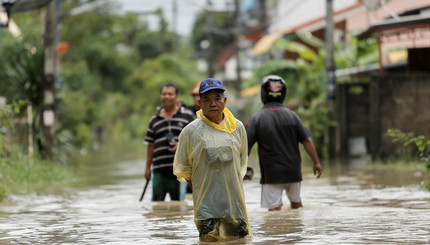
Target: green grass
25,174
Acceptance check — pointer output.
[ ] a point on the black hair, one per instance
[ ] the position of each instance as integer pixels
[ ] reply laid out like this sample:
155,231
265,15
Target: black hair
170,85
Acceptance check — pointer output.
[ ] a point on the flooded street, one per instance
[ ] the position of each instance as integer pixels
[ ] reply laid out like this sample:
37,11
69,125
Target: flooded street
348,205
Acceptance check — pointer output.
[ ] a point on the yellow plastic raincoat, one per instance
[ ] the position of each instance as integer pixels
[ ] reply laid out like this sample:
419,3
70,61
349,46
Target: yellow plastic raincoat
214,157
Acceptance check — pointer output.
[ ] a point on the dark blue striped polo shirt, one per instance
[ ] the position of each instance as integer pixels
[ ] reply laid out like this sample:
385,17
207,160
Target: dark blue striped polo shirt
162,160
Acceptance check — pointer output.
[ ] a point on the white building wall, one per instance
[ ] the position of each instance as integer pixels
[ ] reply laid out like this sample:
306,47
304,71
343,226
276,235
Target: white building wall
291,13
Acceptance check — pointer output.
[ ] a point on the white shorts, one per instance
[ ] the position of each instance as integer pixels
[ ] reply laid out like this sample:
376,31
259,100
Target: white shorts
271,194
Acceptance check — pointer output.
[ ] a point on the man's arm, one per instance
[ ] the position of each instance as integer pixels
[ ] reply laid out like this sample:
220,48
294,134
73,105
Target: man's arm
312,152
251,133
149,154
243,152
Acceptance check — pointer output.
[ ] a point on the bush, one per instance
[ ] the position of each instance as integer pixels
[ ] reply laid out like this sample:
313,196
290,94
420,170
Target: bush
421,142
24,174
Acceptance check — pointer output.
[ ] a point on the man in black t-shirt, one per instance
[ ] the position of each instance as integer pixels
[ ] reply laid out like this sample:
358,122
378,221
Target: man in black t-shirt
278,132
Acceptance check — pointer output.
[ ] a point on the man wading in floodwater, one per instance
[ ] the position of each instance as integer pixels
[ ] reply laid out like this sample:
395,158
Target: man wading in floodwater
164,128
278,132
212,156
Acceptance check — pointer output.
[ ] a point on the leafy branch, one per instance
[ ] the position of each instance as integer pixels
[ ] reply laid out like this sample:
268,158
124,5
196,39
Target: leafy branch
421,142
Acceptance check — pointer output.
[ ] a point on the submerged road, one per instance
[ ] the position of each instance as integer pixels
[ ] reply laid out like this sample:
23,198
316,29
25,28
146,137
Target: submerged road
347,205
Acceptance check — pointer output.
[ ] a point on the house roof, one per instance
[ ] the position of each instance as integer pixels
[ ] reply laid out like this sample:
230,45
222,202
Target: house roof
225,55
392,24
266,42
368,69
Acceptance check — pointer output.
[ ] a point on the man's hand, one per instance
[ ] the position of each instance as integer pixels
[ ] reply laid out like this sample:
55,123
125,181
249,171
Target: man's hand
317,169
249,173
148,174
173,146
310,149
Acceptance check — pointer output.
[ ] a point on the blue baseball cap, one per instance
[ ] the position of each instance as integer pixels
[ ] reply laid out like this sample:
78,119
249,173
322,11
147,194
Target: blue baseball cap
210,84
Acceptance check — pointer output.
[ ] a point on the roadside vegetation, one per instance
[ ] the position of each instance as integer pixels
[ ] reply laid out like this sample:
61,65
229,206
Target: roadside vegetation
23,173
422,144
109,73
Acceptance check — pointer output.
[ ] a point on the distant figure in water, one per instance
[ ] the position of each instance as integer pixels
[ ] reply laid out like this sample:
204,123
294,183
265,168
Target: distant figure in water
278,132
212,157
196,97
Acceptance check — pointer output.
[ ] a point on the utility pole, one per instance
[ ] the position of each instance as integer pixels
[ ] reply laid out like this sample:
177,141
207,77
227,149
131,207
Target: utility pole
238,84
209,37
49,42
163,29
330,77
262,16
174,25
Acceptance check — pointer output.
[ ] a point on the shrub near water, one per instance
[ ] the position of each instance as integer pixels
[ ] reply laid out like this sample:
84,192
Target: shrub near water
24,174
422,143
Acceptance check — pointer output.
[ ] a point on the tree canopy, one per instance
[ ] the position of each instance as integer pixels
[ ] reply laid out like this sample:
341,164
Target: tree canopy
107,80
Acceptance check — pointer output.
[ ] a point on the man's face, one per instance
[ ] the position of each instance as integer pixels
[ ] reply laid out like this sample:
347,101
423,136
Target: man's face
212,103
168,96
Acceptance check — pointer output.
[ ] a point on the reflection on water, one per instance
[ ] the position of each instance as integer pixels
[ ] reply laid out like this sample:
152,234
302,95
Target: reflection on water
348,205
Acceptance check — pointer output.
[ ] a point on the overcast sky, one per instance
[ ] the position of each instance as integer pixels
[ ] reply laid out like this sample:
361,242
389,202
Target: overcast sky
186,11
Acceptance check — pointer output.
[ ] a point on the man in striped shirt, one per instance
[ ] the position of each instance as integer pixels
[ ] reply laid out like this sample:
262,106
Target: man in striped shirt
161,137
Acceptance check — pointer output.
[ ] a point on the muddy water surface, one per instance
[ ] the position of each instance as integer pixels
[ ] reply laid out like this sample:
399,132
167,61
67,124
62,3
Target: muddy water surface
349,204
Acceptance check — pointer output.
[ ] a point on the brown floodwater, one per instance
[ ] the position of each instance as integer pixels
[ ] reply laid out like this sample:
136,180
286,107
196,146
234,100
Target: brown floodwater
349,204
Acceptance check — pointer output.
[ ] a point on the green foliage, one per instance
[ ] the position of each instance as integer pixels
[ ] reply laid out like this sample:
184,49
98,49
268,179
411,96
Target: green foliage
7,114
22,174
148,44
107,82
107,85
421,142
144,84
23,66
317,119
5,125
112,76
311,40
356,53
170,68
303,51
367,51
